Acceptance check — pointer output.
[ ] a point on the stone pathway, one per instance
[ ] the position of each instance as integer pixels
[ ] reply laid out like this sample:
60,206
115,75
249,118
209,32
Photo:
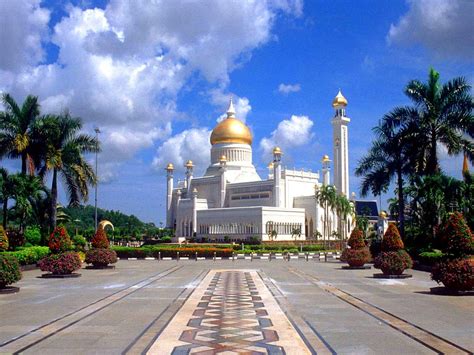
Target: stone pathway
230,312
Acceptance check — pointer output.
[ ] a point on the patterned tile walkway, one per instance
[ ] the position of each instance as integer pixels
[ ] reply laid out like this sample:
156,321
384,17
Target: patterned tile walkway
230,312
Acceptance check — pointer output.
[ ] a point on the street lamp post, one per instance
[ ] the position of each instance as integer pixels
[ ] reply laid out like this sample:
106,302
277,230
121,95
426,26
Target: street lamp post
97,131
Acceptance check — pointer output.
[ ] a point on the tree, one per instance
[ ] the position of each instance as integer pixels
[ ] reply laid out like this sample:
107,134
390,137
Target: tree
344,209
296,233
16,130
389,158
62,154
7,190
443,117
326,197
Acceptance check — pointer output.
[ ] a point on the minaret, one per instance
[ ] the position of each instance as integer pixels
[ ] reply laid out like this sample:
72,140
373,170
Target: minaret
340,141
277,176
326,169
223,163
169,195
189,176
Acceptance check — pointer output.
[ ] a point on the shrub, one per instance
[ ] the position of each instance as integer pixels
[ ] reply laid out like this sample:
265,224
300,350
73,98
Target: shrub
100,239
61,264
9,270
455,274
165,239
430,257
33,235
393,262
356,240
356,257
31,255
79,242
101,257
391,240
169,251
59,240
3,239
15,239
456,237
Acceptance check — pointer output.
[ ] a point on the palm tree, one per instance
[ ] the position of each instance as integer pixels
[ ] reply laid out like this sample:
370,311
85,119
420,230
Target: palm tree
28,190
443,116
326,197
15,130
344,209
7,190
62,154
389,157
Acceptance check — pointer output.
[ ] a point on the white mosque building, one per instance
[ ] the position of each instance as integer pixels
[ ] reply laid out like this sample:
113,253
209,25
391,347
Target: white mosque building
232,202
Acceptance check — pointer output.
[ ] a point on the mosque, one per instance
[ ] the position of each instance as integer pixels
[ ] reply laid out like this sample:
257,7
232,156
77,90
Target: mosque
231,202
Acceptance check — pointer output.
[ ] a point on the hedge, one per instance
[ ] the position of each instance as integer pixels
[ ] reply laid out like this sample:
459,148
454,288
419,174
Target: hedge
31,255
164,252
279,248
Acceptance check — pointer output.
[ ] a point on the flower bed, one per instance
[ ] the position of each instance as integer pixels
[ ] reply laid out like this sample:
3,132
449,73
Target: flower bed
101,257
9,270
61,264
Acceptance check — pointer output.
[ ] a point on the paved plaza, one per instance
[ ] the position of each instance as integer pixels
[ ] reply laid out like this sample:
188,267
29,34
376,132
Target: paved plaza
241,307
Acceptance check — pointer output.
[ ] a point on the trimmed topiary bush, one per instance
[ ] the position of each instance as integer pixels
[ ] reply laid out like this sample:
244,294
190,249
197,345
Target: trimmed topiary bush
391,240
61,264
9,270
393,260
455,271
101,257
100,239
358,254
59,240
3,240
33,235
456,274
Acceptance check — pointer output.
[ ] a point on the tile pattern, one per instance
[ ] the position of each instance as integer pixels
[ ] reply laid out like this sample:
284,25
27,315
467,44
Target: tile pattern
231,313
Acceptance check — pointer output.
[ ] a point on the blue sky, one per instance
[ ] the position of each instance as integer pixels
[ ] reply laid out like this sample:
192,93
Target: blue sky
155,77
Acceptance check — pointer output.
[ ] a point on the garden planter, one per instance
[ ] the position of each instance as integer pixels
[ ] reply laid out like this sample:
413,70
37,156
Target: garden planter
9,273
456,275
60,265
100,258
8,289
61,276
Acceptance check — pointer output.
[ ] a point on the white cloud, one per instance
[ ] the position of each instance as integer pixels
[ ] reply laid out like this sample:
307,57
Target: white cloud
443,26
288,88
122,68
23,24
192,144
290,133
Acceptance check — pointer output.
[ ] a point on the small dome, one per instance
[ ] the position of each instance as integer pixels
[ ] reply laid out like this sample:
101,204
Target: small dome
270,166
383,214
326,159
170,167
223,158
189,164
339,100
277,150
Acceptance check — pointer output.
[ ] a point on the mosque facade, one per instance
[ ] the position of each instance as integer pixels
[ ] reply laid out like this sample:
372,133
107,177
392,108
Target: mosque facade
231,202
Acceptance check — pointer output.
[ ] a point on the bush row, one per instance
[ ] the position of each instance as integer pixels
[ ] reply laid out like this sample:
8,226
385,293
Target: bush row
29,255
154,252
279,248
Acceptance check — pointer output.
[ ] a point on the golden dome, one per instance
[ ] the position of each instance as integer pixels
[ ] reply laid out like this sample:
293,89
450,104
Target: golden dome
339,100
383,214
231,130
270,166
223,159
170,167
325,158
189,164
277,150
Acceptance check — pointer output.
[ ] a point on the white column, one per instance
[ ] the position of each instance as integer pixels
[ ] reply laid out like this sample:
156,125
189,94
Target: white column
277,176
223,163
169,195
178,231
195,193
326,169
189,176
